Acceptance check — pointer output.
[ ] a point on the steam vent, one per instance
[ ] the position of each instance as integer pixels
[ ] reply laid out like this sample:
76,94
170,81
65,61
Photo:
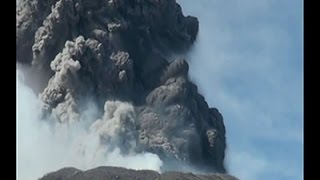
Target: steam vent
124,56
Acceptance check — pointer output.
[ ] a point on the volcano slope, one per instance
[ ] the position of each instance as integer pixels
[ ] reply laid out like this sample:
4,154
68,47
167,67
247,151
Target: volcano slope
116,173
117,51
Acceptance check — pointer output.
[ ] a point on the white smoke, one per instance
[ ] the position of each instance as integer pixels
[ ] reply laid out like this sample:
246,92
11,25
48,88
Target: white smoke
42,148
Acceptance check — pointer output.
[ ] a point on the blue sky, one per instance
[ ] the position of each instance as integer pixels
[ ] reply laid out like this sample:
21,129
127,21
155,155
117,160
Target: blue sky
248,62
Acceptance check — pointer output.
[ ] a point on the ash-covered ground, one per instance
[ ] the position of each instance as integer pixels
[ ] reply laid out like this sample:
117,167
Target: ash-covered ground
117,173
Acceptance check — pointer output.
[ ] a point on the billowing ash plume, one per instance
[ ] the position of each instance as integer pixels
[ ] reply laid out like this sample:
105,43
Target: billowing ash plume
42,147
116,54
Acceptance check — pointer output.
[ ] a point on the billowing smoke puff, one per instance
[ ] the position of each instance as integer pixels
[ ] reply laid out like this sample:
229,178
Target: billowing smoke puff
43,148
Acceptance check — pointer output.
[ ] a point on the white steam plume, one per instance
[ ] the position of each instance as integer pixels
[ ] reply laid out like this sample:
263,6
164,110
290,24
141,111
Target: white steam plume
42,148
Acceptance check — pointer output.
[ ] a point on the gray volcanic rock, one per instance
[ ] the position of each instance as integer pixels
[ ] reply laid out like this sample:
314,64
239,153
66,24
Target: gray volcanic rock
117,50
116,173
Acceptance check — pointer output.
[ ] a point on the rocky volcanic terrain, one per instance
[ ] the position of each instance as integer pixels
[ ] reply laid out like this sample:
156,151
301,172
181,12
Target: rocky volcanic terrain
116,173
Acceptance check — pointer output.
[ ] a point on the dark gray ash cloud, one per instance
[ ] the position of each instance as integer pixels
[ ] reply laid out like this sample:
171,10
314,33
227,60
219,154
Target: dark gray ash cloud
115,53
